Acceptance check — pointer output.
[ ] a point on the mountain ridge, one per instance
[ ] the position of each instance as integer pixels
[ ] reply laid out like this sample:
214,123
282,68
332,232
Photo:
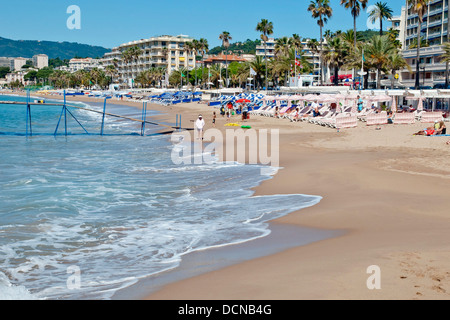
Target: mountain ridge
54,49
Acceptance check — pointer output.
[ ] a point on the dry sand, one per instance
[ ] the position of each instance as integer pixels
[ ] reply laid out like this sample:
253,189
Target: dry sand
388,190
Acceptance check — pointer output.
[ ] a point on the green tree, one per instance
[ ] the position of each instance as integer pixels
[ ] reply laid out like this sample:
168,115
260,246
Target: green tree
378,51
226,37
396,62
355,7
321,11
335,55
203,49
266,29
380,11
258,65
4,71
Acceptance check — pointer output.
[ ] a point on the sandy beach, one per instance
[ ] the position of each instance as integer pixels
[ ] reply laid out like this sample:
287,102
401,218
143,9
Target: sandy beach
386,190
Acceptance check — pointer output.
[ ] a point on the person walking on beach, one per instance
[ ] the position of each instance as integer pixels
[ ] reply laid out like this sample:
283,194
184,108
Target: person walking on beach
214,119
244,112
199,125
360,104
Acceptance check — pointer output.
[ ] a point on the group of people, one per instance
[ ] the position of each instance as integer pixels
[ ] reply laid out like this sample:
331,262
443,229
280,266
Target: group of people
229,110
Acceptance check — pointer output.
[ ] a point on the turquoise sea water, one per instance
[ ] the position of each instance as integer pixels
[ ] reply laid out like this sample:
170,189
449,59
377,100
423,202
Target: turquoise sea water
115,208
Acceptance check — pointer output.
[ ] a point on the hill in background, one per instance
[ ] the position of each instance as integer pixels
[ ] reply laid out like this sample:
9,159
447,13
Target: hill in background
63,50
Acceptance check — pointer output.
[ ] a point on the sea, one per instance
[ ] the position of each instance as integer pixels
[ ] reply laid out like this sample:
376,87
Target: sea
85,216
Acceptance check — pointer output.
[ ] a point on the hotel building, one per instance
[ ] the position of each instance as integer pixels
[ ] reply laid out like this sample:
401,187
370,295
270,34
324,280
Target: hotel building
40,61
434,31
163,51
16,64
312,57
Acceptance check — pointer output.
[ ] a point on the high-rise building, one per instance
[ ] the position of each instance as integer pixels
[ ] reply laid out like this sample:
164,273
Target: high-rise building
40,61
433,32
17,63
162,51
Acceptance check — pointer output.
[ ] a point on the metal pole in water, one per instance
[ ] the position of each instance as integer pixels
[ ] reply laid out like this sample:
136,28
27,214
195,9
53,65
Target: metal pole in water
28,124
65,114
103,119
144,117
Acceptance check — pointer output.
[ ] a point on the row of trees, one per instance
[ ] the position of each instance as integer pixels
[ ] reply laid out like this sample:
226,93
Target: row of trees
322,11
65,79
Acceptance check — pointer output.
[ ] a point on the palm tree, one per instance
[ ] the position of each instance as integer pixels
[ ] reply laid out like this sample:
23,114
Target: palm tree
131,55
419,7
446,55
396,62
283,63
378,51
282,46
355,6
335,55
259,67
111,71
295,41
393,35
225,37
196,47
266,29
380,11
204,46
190,47
321,10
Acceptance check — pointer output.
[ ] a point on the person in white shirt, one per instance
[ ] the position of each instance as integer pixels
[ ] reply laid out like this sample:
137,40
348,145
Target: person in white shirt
199,125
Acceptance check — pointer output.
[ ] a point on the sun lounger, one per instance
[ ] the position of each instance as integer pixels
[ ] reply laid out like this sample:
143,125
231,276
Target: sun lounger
377,118
404,118
430,117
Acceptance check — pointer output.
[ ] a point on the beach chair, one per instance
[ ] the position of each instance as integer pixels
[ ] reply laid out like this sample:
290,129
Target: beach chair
377,118
345,120
404,118
431,117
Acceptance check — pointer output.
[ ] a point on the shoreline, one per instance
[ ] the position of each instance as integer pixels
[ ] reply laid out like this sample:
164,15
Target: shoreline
387,188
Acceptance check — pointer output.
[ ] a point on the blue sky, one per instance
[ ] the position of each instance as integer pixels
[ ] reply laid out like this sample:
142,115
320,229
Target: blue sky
111,23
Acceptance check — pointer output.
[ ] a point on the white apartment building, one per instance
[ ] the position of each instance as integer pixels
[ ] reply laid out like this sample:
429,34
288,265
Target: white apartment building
81,64
40,61
17,63
16,76
434,31
268,50
162,51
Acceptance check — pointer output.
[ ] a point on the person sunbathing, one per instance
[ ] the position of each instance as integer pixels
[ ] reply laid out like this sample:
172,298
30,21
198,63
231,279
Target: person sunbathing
440,128
430,131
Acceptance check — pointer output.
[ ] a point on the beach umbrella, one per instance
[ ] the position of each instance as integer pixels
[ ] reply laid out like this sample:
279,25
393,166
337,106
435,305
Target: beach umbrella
420,106
310,97
354,107
243,100
394,105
